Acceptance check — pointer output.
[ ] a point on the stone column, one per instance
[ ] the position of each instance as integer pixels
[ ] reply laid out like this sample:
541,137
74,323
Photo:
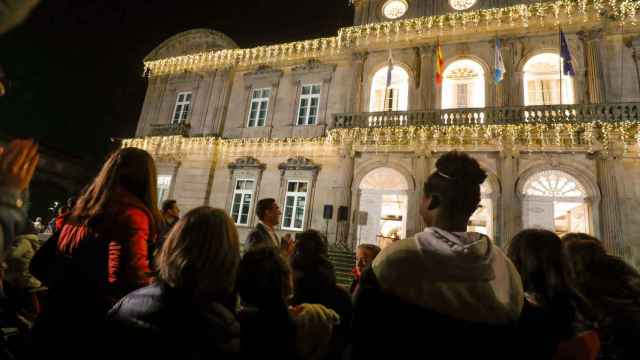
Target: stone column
344,196
427,80
510,216
635,45
422,168
609,168
359,60
595,89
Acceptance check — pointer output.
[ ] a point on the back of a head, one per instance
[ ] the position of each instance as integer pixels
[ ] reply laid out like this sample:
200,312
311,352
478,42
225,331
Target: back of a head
129,169
310,244
541,262
598,275
263,278
201,255
374,250
168,205
456,183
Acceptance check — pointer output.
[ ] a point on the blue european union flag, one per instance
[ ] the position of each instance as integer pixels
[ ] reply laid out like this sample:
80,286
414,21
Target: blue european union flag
565,53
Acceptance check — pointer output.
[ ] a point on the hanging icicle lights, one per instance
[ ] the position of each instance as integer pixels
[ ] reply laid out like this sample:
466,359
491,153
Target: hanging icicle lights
525,15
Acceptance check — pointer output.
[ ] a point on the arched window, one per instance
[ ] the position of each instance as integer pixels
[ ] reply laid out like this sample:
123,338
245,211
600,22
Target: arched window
395,97
556,201
482,220
543,82
463,85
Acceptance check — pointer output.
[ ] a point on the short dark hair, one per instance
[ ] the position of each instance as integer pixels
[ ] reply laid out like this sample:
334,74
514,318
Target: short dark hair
374,249
456,182
168,205
263,277
263,206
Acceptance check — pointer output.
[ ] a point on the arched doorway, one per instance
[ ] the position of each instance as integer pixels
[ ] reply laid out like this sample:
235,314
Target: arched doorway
395,96
543,82
482,220
463,85
382,216
556,201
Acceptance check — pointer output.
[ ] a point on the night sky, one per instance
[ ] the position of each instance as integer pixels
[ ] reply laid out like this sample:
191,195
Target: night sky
75,65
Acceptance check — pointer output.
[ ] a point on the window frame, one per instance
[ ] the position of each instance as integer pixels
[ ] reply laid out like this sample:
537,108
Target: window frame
262,101
296,205
304,119
167,189
242,193
184,115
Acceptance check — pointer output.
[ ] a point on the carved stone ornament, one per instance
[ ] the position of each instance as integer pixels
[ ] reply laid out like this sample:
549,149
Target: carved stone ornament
247,162
263,72
299,163
313,65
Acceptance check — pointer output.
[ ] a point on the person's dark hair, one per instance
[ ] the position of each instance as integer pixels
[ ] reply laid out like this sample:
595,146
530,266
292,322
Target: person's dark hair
313,272
71,202
129,169
599,276
201,255
28,229
264,205
455,185
373,249
541,262
263,278
168,205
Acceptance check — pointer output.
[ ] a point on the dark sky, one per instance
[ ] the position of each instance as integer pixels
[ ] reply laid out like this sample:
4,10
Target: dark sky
75,65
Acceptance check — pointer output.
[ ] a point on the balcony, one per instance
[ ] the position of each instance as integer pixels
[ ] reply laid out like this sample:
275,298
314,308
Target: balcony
548,114
170,129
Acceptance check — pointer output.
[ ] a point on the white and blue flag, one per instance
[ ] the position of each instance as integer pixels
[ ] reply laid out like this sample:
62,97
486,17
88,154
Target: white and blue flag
500,69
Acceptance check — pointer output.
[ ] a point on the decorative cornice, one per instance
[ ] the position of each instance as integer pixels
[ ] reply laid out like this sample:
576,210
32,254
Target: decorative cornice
247,162
313,66
263,72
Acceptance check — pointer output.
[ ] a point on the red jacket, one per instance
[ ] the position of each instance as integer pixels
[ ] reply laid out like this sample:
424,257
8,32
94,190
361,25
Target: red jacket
128,226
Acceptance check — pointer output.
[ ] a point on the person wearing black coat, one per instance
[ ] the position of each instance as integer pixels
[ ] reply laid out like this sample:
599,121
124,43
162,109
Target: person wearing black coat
264,234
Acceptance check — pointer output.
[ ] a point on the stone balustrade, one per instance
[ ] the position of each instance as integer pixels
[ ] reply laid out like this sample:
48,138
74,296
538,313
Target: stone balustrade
170,129
548,114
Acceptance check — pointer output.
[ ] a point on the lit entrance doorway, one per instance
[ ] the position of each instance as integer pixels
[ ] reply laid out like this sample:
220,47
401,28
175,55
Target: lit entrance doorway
556,201
482,220
382,216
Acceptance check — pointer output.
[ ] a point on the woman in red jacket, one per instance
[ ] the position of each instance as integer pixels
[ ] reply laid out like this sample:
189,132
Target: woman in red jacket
102,251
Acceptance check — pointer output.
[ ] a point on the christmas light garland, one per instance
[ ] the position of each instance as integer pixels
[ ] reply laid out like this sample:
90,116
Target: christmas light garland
542,14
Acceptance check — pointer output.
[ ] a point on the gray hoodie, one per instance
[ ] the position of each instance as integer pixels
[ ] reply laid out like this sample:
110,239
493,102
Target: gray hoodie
463,275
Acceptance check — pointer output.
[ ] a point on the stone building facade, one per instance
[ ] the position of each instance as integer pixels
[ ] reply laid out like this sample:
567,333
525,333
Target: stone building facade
356,121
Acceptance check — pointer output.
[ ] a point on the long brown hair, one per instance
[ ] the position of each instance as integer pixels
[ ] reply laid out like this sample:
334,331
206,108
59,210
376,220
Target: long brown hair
129,169
201,255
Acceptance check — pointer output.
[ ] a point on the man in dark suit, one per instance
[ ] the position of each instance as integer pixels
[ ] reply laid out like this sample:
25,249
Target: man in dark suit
264,234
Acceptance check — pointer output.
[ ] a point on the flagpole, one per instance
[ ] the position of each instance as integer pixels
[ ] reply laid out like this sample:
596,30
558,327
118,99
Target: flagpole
561,60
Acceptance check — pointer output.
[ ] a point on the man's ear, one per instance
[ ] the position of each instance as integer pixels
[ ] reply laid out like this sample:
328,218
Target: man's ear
434,202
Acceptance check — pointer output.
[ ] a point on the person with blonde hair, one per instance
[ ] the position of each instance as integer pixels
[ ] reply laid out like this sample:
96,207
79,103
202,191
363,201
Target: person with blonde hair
190,306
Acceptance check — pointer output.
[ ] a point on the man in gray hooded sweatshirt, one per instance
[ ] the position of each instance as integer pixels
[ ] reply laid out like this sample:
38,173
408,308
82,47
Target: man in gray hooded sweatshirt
446,292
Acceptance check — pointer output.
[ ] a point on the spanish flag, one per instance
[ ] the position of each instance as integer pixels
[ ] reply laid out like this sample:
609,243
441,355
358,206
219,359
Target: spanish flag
439,65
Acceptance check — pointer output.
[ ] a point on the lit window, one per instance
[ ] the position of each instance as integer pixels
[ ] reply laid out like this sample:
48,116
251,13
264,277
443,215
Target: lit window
164,184
242,201
395,97
181,110
259,107
543,83
309,105
556,201
463,85
462,4
394,9
295,205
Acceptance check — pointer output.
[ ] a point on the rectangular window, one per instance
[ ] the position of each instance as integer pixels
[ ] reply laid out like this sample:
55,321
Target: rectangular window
242,201
164,184
183,105
259,107
309,105
295,205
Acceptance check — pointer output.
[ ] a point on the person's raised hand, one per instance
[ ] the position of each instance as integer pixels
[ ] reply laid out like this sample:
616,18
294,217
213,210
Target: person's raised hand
18,163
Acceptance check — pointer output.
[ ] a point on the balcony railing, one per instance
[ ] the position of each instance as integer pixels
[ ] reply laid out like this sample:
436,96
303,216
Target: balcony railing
548,114
170,129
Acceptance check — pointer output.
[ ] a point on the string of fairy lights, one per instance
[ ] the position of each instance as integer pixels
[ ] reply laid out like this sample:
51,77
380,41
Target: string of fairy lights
590,137
542,14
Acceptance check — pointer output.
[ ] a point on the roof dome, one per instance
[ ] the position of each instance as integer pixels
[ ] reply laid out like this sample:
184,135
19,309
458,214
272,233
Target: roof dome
191,42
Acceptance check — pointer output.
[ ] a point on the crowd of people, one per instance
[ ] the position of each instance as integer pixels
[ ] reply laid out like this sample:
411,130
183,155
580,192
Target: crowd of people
122,277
